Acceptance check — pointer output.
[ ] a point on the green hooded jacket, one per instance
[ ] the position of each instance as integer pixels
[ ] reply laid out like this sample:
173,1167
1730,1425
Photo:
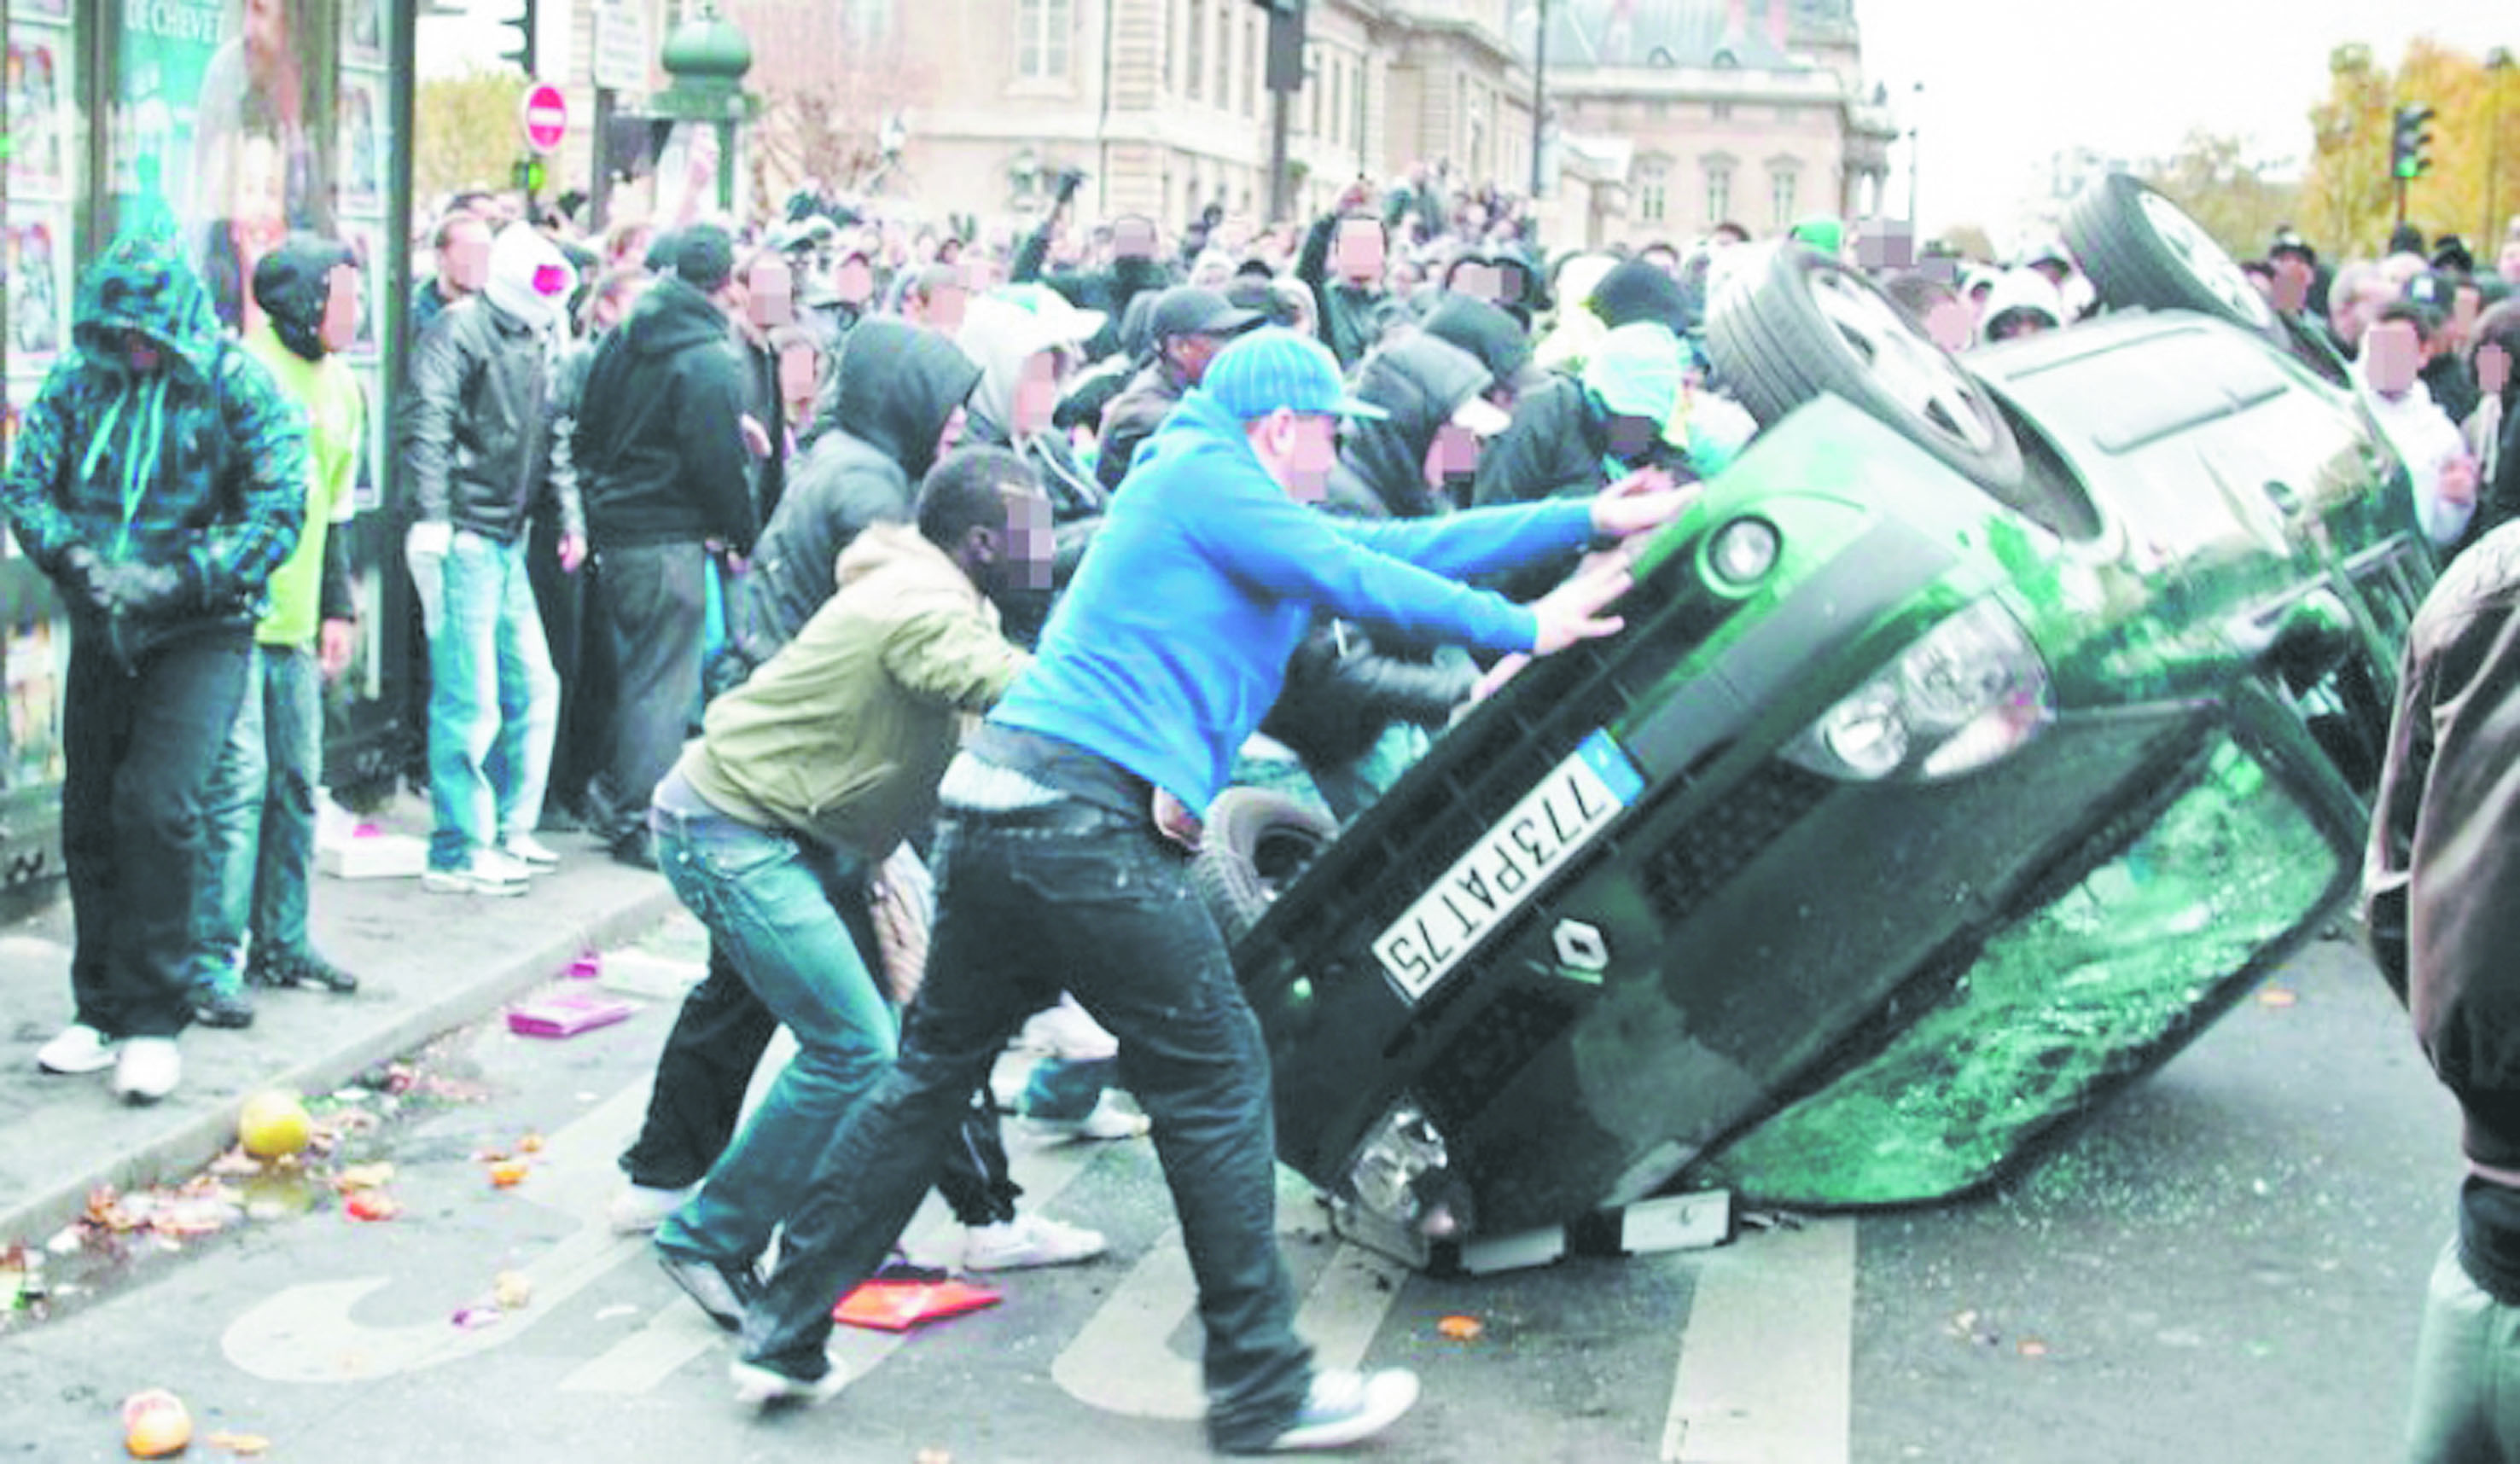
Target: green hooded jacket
201,463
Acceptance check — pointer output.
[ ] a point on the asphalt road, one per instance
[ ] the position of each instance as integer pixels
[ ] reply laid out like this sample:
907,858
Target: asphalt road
2226,1265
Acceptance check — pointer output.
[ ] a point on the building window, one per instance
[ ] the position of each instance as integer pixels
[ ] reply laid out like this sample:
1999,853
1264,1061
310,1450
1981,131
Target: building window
1224,56
1338,97
1654,190
1194,51
1251,60
1312,89
1041,39
1719,196
1780,196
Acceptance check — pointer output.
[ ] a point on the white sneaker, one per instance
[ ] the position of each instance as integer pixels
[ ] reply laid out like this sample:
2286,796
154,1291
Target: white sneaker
1107,1120
756,1386
1029,1241
487,873
80,1048
1066,1031
148,1070
640,1208
529,851
1345,1407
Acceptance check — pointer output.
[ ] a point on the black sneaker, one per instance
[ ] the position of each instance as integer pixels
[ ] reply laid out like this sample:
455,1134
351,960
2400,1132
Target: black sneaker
724,1289
636,849
226,1008
294,969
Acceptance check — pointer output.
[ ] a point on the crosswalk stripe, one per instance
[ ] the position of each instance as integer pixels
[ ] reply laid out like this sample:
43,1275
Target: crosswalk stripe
1766,1362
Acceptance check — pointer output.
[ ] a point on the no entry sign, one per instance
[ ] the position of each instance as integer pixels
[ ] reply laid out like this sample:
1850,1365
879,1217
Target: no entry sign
546,114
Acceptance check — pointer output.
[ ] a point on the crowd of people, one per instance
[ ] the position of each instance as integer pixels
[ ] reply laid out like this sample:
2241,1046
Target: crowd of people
800,561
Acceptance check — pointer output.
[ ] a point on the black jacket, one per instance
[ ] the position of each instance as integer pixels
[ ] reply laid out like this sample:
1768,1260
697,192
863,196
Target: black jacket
1132,417
1381,469
476,443
891,391
660,440
1484,330
1351,318
2441,877
1553,450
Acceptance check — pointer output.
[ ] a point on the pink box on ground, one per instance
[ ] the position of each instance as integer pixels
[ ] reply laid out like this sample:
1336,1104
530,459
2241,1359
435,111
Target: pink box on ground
567,1014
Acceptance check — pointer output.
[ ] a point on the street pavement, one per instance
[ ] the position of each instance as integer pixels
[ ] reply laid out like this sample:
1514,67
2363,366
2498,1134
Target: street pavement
2226,1265
426,962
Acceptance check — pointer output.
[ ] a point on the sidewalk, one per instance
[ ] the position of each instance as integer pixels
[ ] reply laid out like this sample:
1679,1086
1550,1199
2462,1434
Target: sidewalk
426,963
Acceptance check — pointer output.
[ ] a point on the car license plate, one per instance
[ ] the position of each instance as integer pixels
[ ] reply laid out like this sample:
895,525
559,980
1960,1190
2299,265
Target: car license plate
1508,863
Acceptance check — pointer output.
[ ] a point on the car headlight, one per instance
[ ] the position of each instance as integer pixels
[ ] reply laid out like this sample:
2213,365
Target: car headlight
1402,1173
1971,691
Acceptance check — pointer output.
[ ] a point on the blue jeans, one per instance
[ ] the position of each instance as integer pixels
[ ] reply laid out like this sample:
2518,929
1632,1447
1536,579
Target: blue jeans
260,839
493,701
1027,902
141,741
781,912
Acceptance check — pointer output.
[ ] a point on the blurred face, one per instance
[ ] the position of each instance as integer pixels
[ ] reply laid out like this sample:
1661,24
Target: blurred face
1190,355
1025,563
2492,369
853,282
770,292
799,379
1357,251
2507,263
2392,350
1036,394
1632,437
952,436
1298,451
941,306
2291,266
340,323
1133,238
140,353
616,302
464,263
1453,457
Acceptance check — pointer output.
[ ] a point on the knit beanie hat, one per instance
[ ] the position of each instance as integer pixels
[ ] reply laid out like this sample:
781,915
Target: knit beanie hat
293,285
530,279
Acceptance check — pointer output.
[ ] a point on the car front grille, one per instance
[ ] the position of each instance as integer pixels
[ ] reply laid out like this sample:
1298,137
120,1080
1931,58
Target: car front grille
1490,1050
1716,842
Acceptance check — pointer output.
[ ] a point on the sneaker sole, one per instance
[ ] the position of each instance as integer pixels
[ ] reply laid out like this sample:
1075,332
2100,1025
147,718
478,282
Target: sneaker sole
464,884
759,1386
1341,1432
76,1070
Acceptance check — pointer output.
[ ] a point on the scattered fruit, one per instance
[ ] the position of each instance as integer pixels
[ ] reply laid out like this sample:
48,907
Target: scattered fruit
273,1125
156,1425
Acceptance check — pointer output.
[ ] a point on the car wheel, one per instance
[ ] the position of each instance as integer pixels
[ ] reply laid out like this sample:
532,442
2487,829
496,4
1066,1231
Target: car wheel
1256,844
1798,324
2143,251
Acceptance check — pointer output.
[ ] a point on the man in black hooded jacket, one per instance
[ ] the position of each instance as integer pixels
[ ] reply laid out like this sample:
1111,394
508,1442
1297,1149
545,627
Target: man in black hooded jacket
660,449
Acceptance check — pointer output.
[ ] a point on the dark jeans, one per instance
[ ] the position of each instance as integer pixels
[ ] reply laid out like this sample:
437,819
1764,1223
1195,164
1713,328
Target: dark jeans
654,600
141,743
1028,902
581,652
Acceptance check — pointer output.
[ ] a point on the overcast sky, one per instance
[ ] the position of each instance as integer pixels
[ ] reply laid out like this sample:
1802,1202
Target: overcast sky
2008,84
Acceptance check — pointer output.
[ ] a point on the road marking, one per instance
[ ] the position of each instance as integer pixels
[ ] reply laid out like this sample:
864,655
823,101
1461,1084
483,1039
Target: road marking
1767,1360
1122,1361
307,1333
677,1333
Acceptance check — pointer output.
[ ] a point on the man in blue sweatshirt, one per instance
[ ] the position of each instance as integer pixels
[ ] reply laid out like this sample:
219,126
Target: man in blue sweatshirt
1065,859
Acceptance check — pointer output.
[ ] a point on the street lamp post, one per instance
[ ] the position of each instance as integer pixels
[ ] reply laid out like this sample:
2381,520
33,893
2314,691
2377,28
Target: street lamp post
1915,158
1539,93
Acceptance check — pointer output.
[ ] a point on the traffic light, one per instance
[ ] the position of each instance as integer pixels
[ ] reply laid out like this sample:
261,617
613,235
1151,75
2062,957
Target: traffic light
520,51
529,176
2407,139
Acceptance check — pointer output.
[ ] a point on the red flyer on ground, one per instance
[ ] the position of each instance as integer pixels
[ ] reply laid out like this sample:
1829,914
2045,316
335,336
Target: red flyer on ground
897,1305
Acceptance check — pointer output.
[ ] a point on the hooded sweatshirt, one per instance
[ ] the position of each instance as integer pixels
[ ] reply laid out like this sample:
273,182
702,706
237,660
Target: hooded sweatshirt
293,285
658,443
844,735
1421,382
201,463
1172,643
891,391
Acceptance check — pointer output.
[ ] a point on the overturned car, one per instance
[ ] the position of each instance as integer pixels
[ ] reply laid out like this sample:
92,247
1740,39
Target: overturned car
1980,737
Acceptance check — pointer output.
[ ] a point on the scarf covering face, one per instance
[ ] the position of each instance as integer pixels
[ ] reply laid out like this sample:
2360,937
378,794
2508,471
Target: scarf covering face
292,284
530,279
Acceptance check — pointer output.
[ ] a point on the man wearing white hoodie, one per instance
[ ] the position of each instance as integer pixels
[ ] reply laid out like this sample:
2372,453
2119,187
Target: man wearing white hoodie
2436,454
477,451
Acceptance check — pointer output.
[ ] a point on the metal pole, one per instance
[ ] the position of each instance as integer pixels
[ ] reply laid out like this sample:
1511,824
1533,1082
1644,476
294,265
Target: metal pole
1281,104
1539,94
599,188
1916,158
2497,62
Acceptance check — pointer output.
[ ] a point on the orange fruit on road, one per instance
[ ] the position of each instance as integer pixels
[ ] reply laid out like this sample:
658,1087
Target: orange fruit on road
273,1125
156,1425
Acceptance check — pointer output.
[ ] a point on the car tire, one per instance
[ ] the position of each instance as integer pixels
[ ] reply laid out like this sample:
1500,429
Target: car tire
2142,252
1256,843
1798,324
